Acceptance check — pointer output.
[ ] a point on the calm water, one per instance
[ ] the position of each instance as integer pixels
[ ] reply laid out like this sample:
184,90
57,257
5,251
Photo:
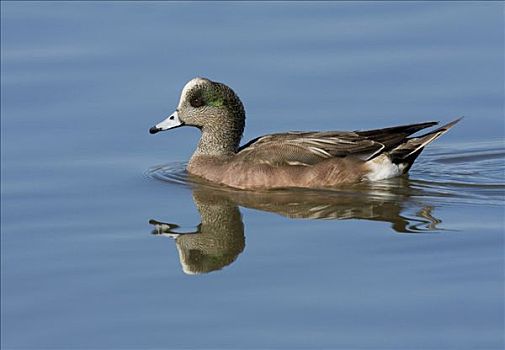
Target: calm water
106,243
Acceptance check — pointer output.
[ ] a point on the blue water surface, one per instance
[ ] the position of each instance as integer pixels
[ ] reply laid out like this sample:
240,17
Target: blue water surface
415,263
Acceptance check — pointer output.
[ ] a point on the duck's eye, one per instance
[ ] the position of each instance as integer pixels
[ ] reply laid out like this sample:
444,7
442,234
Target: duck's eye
196,102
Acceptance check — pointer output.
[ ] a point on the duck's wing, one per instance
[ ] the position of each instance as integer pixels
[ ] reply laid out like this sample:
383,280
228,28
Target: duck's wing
306,148
309,148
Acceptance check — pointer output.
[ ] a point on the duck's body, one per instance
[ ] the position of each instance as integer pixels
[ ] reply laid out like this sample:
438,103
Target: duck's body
293,159
243,175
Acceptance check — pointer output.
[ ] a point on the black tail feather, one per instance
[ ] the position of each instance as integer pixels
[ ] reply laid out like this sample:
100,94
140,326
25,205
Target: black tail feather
407,152
406,130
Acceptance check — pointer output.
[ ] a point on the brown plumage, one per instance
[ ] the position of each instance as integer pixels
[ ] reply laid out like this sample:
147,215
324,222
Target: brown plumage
292,159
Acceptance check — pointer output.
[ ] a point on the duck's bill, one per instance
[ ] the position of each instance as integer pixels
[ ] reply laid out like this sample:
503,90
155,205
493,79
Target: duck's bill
171,122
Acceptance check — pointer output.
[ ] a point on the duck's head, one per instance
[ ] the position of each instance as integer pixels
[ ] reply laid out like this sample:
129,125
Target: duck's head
207,105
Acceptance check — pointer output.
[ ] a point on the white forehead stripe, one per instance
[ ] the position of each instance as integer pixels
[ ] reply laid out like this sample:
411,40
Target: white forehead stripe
190,85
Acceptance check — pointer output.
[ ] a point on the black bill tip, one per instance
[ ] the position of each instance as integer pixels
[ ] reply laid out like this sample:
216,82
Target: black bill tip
154,130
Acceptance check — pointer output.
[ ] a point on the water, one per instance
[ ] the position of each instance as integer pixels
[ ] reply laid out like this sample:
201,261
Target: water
414,262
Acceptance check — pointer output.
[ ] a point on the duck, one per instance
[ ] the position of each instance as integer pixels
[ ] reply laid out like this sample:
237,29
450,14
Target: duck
294,159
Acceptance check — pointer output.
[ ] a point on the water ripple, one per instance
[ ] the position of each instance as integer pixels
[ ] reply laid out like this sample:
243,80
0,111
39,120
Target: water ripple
174,173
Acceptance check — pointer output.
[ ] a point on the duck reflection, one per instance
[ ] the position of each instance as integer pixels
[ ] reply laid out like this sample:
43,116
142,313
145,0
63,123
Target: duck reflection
219,238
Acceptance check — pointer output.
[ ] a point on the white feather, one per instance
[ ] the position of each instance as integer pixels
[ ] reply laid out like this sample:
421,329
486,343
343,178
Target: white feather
382,168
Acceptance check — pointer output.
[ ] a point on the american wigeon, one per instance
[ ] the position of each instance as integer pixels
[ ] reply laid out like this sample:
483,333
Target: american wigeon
292,159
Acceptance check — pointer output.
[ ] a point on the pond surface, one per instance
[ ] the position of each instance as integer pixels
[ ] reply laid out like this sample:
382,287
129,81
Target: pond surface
106,242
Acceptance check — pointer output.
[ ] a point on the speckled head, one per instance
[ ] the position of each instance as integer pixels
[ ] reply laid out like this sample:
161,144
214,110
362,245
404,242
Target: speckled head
207,105
214,109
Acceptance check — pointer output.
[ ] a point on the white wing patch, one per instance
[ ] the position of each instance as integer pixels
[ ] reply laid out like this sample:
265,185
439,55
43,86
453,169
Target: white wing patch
294,162
319,151
377,152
